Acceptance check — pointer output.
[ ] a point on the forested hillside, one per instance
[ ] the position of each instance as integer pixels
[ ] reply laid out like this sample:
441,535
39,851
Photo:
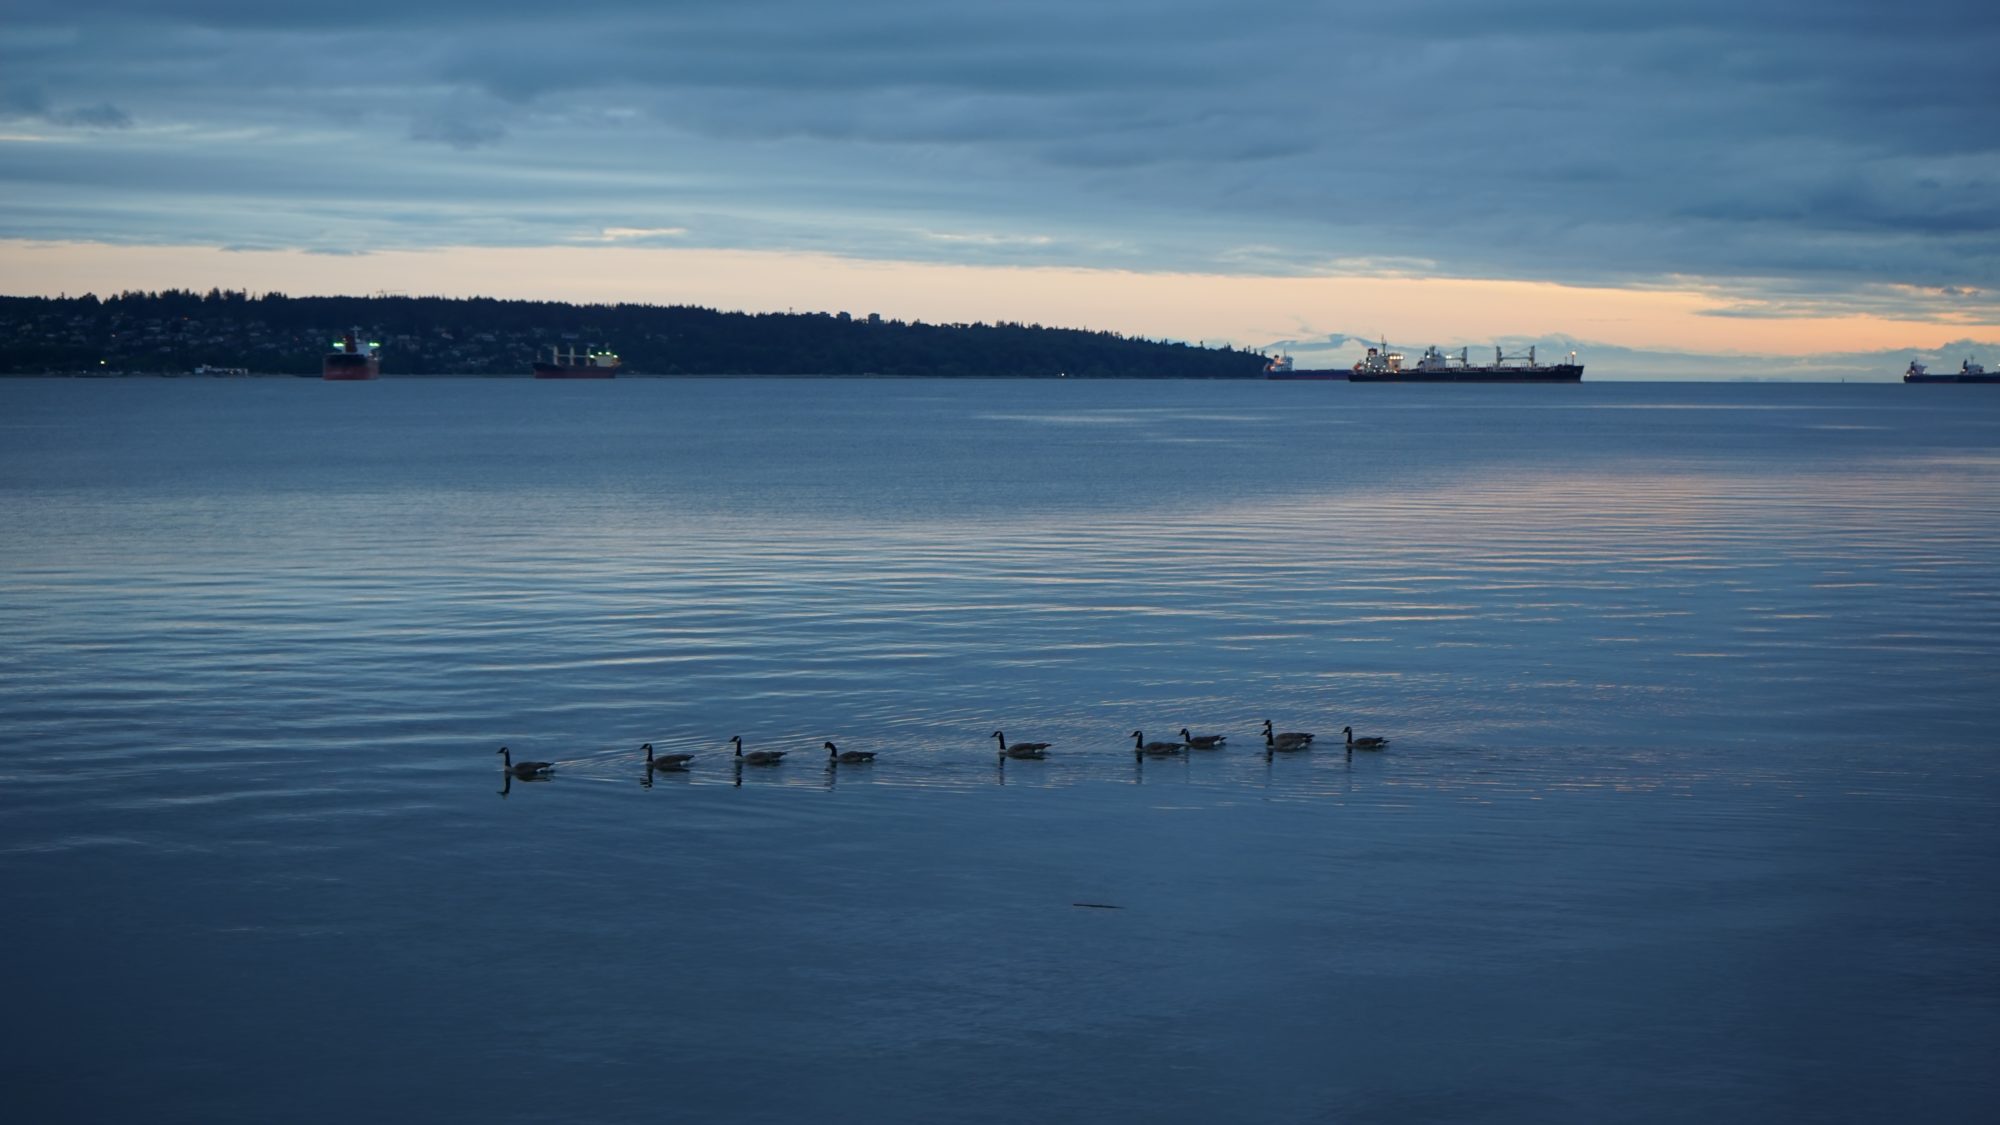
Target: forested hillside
176,331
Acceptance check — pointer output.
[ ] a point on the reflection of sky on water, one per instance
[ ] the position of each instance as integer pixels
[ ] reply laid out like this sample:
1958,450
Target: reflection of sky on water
1688,802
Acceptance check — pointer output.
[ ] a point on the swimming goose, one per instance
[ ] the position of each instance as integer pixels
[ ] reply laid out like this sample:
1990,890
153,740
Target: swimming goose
757,757
1156,749
523,770
665,761
1020,749
1287,736
1370,743
1285,742
1203,741
848,757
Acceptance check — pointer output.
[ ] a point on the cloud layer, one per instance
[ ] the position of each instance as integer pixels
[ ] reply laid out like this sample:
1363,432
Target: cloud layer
1805,157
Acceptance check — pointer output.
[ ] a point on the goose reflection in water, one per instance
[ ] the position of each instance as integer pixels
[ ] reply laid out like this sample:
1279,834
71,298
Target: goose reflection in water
1140,756
507,781
1000,767
681,773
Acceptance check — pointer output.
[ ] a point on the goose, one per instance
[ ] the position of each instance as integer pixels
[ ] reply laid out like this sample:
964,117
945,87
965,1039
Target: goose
1286,742
1287,736
523,770
757,757
665,761
1020,749
848,757
1203,741
1156,749
1370,743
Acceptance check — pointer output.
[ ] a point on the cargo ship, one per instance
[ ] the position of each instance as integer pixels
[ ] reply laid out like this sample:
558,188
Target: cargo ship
350,359
1381,365
1280,367
1968,372
591,365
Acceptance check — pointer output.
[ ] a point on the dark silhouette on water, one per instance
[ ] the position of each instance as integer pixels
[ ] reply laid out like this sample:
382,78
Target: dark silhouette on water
665,761
848,757
1020,749
1203,741
1155,749
1289,740
526,771
1369,743
757,757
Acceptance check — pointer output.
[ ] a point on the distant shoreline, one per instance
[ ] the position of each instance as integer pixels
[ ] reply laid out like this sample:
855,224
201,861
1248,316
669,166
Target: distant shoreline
176,331
685,377
628,375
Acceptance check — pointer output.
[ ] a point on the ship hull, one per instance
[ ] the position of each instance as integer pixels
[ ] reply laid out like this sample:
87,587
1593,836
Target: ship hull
342,367
1954,377
565,371
1556,373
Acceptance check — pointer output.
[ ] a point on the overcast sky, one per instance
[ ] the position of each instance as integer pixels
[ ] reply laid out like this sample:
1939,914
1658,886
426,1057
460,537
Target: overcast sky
1827,160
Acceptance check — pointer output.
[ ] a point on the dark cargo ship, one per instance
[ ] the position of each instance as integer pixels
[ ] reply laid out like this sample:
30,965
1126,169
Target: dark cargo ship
1381,365
593,365
1968,372
350,359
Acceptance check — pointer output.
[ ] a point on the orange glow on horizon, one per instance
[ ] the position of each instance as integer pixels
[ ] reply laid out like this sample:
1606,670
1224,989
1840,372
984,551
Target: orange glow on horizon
1248,311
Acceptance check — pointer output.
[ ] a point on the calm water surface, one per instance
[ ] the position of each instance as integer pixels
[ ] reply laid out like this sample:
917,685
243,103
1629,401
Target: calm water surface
1690,809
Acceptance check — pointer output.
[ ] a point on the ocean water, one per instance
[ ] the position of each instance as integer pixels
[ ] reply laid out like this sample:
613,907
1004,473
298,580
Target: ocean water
1689,809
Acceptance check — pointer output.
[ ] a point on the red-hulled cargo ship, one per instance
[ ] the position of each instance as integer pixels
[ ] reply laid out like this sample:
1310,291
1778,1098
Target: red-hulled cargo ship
592,365
350,359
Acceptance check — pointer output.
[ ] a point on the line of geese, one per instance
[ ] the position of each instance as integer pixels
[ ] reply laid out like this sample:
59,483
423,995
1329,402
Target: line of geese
1275,742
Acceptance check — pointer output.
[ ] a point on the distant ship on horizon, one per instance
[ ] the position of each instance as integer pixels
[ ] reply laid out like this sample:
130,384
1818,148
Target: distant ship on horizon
1968,372
1280,367
1381,365
350,359
593,364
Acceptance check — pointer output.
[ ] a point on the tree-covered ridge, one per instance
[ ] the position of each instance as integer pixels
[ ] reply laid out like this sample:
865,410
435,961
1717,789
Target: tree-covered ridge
179,330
